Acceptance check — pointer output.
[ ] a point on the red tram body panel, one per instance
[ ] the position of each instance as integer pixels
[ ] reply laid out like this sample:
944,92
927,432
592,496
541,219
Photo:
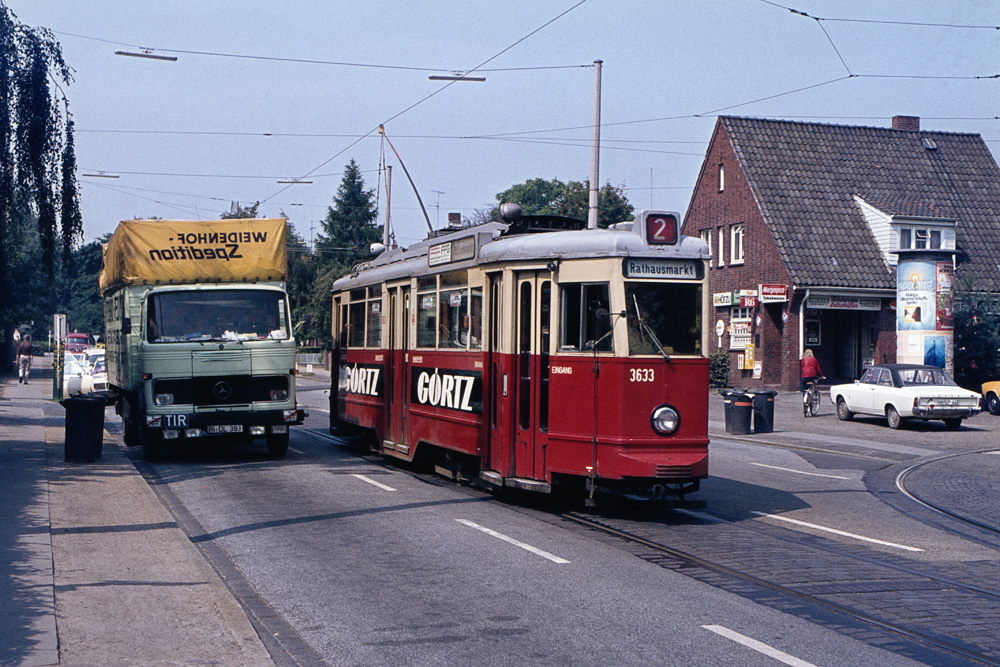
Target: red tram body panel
533,353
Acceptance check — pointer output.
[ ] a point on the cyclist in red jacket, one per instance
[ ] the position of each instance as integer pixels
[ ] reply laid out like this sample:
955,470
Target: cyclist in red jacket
809,370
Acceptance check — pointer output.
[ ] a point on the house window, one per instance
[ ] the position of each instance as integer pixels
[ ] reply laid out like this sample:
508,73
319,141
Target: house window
919,238
706,236
722,178
736,244
722,254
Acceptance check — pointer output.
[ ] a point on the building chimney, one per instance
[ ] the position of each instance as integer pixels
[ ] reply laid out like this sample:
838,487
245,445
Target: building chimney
911,123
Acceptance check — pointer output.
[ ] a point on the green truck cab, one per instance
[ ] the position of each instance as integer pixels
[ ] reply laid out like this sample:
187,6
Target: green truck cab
200,350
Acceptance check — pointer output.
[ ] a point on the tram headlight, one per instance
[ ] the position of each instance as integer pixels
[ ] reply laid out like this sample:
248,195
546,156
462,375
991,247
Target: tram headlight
665,420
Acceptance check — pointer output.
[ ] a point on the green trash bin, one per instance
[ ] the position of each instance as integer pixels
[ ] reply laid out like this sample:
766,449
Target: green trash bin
84,427
739,410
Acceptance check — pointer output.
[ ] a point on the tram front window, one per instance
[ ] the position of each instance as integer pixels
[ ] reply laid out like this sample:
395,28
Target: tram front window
669,313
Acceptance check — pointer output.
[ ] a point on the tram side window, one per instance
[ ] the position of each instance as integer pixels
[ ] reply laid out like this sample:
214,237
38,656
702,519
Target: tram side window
362,319
476,318
374,320
585,317
356,326
427,320
452,317
454,313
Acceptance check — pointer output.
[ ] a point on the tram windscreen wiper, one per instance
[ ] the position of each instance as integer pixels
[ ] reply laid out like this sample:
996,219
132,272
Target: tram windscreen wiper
643,327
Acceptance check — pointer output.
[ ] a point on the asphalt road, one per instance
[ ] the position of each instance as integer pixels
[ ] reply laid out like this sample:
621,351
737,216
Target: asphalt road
366,563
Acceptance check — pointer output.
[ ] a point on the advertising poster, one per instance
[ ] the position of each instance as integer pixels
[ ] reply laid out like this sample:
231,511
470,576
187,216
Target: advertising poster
945,312
916,297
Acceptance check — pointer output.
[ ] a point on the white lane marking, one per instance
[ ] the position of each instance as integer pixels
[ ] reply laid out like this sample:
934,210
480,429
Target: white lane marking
800,472
511,540
836,532
760,647
373,482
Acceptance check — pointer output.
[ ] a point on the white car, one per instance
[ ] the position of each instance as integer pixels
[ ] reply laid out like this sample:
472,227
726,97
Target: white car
76,374
906,391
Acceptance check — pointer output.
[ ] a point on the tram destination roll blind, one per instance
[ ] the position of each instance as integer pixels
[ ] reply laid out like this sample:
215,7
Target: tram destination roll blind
661,268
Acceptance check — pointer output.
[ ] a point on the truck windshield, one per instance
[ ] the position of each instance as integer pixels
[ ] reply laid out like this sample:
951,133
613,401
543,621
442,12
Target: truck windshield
668,313
216,315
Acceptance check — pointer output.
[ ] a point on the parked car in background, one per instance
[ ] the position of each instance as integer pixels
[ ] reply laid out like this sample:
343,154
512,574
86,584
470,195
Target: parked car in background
93,354
991,396
77,342
900,392
99,376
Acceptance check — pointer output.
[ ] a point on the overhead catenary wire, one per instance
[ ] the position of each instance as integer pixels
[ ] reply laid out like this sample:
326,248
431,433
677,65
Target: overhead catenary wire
427,97
307,61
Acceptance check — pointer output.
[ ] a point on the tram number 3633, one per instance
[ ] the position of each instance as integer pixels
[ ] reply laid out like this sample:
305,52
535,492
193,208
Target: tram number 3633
641,375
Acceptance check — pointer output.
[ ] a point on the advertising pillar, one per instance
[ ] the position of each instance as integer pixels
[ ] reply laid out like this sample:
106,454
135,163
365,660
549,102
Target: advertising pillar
925,324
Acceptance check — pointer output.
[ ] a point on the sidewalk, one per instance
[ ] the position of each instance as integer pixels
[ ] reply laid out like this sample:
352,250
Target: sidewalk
93,569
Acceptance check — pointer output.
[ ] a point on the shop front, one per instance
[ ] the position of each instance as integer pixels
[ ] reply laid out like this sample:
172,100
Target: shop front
848,332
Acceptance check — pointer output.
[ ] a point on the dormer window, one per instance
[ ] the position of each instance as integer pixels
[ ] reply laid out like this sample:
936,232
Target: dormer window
919,238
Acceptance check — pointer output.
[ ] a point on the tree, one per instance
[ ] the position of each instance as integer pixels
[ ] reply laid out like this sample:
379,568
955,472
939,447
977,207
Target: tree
238,212
85,309
572,200
38,187
977,336
349,226
348,230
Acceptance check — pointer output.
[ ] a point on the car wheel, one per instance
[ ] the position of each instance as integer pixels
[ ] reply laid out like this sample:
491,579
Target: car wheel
993,403
895,421
952,424
843,413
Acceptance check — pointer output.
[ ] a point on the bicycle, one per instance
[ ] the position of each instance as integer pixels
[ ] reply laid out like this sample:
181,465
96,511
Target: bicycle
810,399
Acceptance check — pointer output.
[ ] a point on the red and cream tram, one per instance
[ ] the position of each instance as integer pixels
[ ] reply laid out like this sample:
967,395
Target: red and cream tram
534,354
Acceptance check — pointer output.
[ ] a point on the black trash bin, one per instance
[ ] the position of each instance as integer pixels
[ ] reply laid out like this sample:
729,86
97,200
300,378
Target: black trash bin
763,411
84,427
739,410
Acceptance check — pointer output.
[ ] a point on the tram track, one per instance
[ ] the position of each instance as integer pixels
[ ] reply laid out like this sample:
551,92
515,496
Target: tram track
872,596
850,605
900,483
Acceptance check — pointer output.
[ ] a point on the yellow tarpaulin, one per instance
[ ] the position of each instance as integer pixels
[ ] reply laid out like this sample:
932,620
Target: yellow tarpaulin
161,252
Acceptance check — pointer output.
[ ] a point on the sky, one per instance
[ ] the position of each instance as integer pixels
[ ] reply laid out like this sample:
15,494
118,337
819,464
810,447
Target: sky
269,90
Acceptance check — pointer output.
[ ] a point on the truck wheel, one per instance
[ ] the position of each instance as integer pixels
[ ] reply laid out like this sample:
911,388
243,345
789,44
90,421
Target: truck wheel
277,444
953,424
152,444
130,433
993,403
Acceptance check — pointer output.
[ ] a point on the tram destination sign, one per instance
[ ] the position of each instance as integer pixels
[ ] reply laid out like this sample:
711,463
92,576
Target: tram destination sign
452,251
672,269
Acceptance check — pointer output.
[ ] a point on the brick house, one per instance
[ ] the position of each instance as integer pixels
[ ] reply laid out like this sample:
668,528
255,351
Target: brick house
806,221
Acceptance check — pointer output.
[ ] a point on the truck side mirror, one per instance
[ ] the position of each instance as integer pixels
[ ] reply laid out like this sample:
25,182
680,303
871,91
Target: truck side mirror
126,325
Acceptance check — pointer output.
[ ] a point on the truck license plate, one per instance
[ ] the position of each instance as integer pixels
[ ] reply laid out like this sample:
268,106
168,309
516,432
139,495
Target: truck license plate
225,428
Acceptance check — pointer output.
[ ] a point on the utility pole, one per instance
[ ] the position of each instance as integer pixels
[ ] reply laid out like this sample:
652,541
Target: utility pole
595,150
388,199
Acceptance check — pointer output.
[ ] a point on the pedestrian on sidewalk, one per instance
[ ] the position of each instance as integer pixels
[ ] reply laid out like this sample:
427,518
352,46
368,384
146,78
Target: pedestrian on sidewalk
23,359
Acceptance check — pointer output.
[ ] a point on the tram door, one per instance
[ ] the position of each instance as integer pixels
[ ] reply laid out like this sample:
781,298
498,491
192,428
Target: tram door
397,399
532,322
